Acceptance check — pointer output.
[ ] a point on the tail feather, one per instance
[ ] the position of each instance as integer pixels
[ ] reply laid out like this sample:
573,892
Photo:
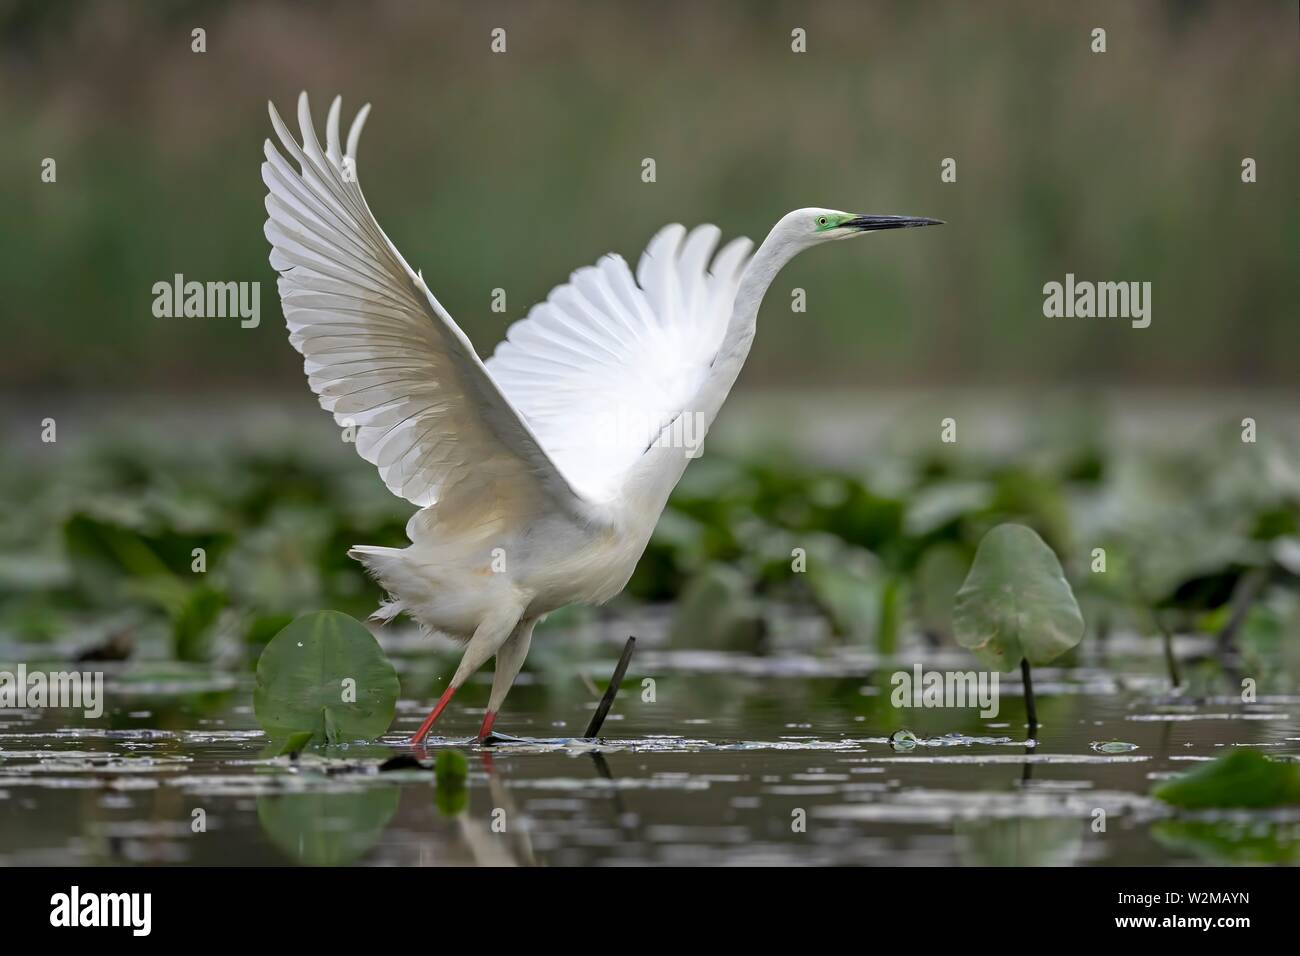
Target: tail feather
377,562
388,609
445,588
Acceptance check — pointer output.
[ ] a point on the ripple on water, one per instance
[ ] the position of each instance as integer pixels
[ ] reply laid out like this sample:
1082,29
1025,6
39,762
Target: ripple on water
67,761
1195,716
918,805
222,736
90,733
990,759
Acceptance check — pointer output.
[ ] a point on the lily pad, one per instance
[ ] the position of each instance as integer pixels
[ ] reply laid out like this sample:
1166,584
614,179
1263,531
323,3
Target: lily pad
294,743
451,771
327,829
1244,778
1016,603
325,674
1231,841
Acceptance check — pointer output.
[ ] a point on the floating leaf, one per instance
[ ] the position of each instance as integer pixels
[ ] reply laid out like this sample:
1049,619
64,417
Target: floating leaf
451,765
294,743
1016,602
1244,778
451,770
325,673
1231,841
327,829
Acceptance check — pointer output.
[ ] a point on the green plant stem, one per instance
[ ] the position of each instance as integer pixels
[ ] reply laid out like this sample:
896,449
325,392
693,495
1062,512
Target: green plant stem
1171,662
1031,712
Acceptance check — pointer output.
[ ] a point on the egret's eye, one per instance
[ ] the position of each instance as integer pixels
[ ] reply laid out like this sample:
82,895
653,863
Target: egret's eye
822,220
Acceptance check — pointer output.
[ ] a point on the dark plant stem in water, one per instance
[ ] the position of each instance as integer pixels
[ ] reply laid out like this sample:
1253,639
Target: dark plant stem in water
1171,662
602,709
1031,712
1031,715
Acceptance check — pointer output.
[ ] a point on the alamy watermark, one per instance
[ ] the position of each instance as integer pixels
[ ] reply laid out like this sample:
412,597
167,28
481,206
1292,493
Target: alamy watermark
1102,300
81,690
918,688
208,300
617,426
133,911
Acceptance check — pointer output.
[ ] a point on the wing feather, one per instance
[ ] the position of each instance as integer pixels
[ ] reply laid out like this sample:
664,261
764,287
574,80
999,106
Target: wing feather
380,351
610,359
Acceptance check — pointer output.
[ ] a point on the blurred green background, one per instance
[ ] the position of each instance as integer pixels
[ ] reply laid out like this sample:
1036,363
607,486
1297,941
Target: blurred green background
512,170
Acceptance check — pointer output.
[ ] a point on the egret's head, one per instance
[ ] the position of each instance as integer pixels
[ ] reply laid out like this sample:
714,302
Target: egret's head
810,226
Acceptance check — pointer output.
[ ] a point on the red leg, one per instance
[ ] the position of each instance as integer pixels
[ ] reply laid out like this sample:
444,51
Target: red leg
488,719
443,701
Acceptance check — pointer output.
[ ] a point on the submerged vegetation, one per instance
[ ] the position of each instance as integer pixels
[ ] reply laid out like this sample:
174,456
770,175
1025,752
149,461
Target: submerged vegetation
129,547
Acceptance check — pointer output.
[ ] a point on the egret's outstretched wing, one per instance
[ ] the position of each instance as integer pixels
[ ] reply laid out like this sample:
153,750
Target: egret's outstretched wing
609,361
380,351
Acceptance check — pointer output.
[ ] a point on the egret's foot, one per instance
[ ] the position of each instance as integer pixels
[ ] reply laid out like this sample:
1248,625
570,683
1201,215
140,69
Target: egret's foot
487,736
443,701
498,738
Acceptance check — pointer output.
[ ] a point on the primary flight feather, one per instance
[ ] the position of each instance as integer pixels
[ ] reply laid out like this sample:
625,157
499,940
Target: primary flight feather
541,473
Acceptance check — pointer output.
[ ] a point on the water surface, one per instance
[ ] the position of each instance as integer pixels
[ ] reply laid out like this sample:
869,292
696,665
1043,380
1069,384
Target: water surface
738,758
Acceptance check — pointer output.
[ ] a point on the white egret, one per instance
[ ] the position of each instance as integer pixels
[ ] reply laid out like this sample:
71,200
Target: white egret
540,473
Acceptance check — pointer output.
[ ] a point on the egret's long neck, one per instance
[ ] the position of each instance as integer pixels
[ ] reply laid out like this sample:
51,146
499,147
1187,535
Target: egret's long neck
770,259
655,476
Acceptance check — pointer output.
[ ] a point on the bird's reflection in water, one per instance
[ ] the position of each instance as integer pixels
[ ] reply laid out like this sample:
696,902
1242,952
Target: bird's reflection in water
497,833
498,837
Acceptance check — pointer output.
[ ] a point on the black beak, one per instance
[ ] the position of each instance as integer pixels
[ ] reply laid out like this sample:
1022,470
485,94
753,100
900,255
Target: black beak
874,223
